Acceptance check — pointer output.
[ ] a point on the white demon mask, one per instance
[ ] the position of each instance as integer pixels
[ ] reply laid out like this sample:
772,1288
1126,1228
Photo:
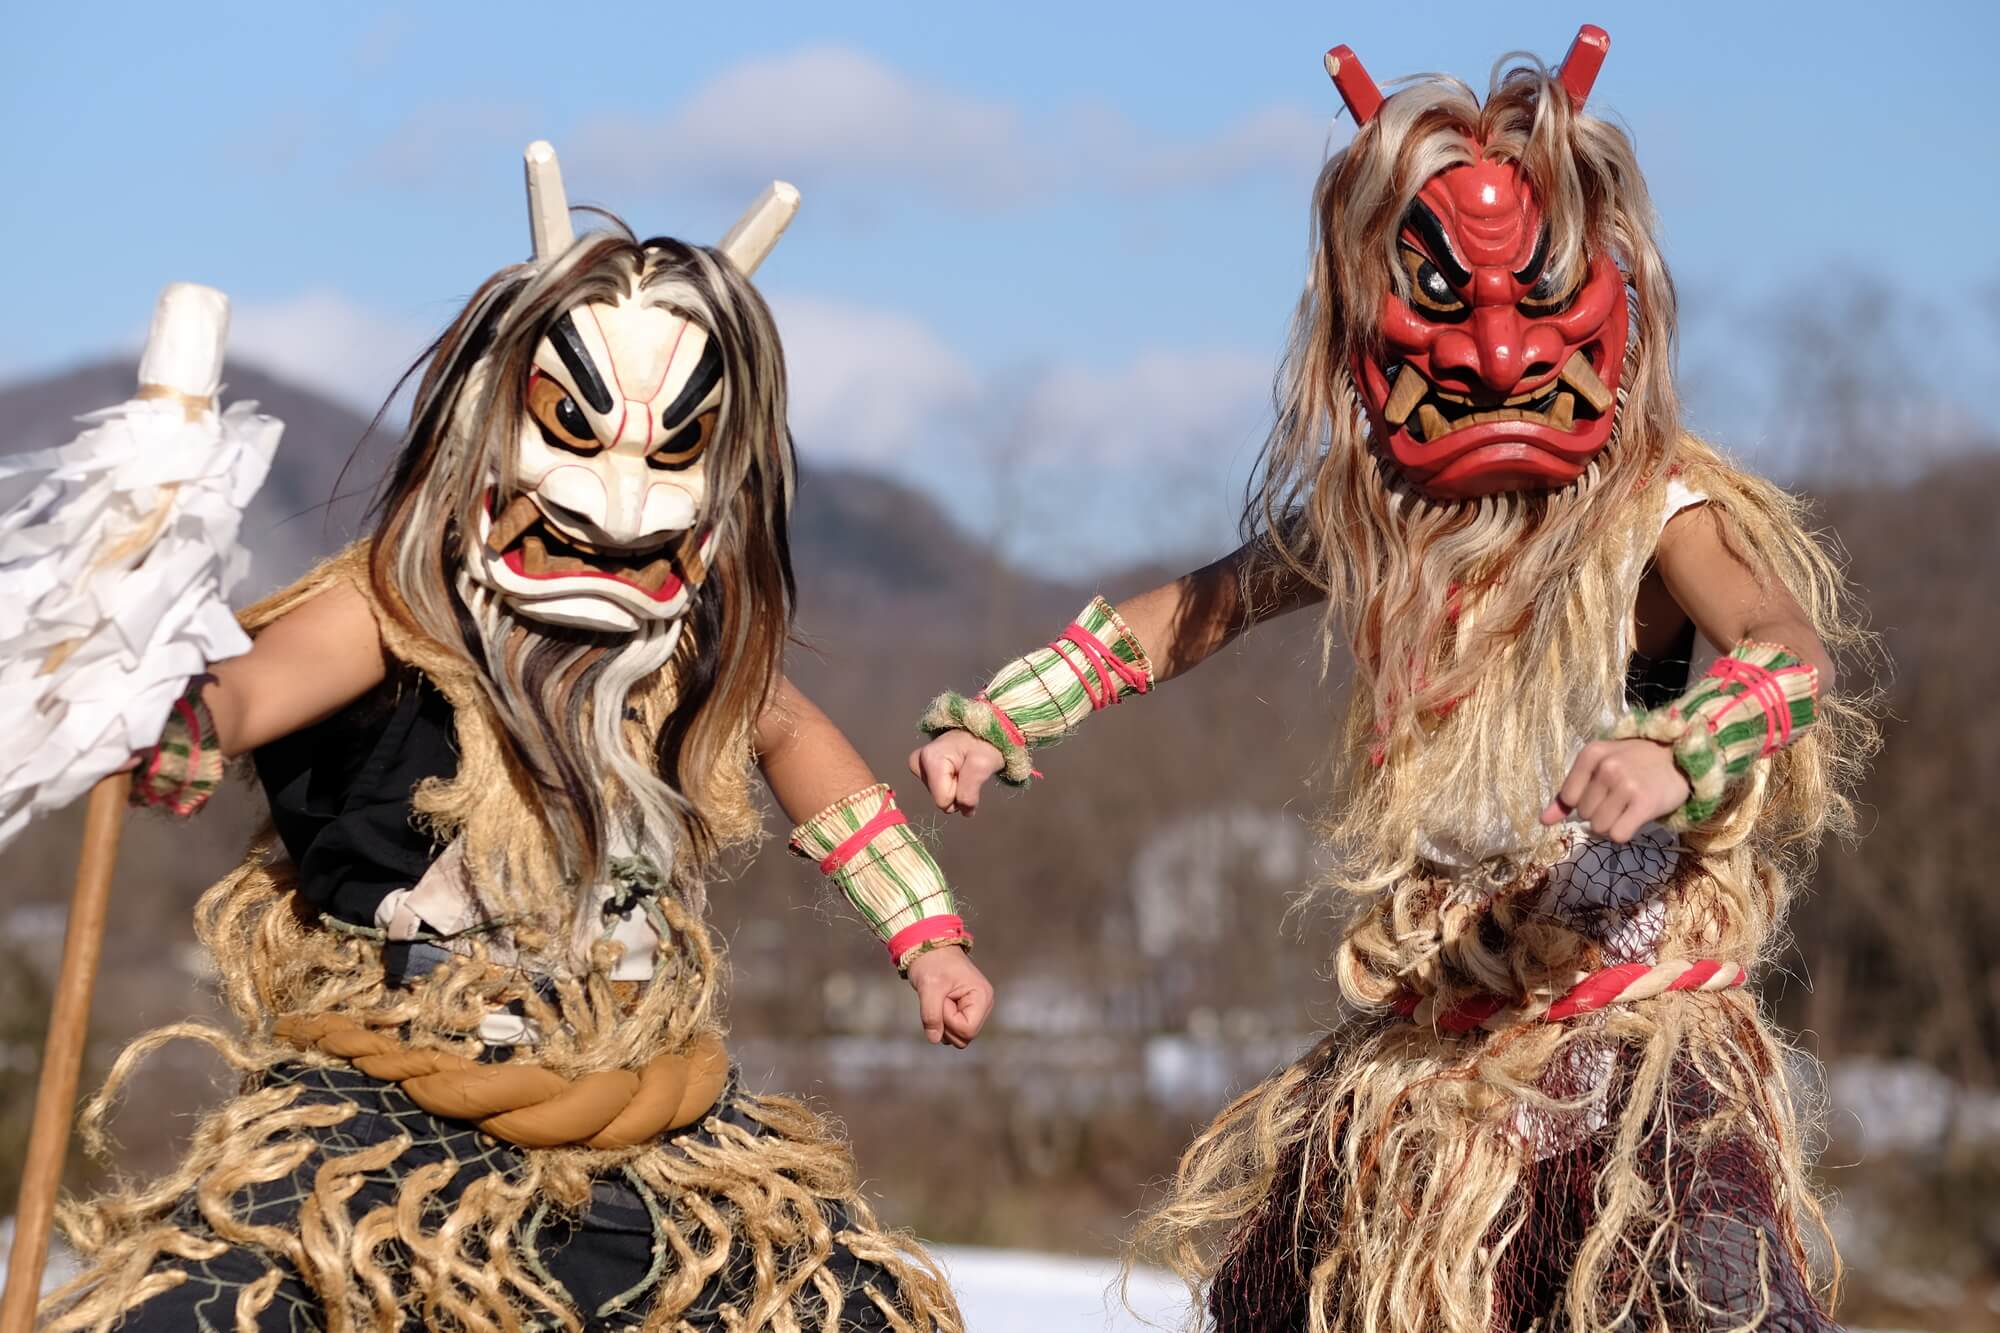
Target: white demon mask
622,403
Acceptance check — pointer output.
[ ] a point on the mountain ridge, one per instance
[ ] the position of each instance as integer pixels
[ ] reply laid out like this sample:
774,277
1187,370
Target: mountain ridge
858,537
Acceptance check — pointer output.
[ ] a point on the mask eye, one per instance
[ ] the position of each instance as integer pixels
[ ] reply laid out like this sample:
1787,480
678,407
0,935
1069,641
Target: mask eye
684,447
562,421
1430,293
1550,295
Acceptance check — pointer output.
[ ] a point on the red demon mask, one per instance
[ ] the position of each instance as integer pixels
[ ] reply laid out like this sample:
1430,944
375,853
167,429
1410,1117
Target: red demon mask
1494,376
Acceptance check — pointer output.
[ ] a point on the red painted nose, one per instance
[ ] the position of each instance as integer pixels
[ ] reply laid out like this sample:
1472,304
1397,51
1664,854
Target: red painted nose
1501,336
1496,350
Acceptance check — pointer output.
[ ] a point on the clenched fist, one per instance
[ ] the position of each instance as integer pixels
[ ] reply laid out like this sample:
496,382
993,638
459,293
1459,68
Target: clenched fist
953,996
954,765
1617,787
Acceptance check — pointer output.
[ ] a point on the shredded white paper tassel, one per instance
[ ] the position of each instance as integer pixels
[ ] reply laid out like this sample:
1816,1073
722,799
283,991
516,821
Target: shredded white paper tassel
116,569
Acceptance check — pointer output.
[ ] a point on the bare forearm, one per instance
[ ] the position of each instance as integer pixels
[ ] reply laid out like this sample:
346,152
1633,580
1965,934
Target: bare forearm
805,758
1728,600
302,668
1794,633
1184,622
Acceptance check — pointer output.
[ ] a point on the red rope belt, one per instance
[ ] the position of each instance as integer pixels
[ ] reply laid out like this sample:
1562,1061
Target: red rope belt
1613,985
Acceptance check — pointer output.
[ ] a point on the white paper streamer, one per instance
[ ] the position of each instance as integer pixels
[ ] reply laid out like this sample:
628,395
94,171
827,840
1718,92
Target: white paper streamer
126,628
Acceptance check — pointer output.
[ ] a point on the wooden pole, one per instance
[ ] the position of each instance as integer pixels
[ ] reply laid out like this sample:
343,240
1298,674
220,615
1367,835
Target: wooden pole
62,1056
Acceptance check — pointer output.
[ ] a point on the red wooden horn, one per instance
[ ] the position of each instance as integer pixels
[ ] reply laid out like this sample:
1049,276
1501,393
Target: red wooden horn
1357,89
1586,56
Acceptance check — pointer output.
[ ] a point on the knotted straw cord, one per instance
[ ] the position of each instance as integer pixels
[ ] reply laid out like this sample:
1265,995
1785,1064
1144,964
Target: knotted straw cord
526,1104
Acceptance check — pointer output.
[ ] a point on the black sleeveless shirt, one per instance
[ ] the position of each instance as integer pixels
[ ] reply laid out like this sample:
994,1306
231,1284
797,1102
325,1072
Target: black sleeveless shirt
340,789
1654,682
340,794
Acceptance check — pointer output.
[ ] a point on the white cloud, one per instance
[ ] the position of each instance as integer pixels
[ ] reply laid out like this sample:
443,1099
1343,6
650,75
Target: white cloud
881,387
1063,463
868,385
323,340
1162,406
832,117
1141,460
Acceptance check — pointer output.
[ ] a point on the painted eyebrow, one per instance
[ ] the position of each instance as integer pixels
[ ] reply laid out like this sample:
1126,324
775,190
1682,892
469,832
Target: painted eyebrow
576,359
1527,275
1430,231
707,374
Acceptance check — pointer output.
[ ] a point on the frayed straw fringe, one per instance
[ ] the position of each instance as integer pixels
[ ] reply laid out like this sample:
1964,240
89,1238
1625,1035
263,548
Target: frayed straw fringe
1418,1147
762,1196
1407,1147
1484,638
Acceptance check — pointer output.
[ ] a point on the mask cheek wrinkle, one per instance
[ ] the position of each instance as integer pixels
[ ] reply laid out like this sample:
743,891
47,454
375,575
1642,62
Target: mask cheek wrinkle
577,488
1542,346
533,458
672,506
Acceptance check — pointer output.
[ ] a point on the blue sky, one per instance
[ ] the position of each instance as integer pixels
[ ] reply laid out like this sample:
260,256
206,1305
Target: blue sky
1075,231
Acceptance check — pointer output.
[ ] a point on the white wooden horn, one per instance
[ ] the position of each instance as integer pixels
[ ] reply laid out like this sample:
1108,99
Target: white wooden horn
758,229
548,206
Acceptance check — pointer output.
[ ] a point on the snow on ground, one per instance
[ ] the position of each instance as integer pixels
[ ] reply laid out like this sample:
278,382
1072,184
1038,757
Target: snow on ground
1014,1291
62,1264
999,1291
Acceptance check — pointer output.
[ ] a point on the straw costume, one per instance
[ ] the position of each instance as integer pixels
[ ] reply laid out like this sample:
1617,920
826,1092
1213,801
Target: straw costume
485,1084
1556,1105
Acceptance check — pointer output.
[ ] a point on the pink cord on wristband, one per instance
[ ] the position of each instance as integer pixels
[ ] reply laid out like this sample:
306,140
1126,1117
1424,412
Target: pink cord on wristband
193,725
145,788
1762,686
1014,733
946,926
884,819
1103,663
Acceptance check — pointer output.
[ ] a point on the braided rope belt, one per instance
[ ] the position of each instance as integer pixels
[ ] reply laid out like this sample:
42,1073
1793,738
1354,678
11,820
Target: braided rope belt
525,1104
1614,985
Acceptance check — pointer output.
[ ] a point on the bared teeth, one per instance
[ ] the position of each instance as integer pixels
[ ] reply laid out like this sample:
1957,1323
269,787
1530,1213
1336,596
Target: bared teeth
694,566
1579,376
1404,396
1563,415
1433,422
516,519
572,557
652,577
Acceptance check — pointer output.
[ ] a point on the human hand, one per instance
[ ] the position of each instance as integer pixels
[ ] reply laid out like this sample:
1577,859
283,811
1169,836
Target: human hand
954,765
1618,786
953,995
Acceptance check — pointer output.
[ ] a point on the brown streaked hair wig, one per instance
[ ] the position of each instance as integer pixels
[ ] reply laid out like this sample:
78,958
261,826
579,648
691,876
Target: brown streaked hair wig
624,735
